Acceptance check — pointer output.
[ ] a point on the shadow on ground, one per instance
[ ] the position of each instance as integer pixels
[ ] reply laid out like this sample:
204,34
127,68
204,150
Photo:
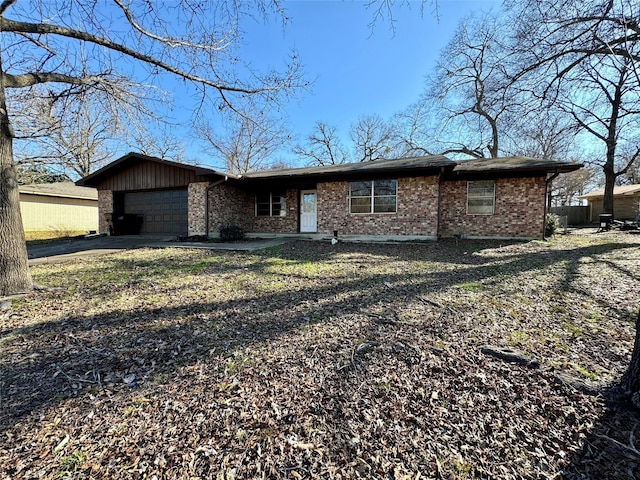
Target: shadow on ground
76,355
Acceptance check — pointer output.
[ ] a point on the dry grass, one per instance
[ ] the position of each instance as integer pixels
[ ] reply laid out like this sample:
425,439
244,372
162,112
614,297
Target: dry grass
34,236
318,361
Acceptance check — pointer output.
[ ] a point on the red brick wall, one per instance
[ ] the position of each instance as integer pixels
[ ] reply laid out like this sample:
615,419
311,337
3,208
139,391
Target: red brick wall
105,206
286,224
417,210
196,212
232,206
229,206
519,209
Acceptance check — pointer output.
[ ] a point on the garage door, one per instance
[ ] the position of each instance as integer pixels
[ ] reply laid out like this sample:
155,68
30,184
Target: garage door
162,211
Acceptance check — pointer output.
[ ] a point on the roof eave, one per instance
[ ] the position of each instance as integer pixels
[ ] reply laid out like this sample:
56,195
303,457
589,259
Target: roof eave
335,176
542,170
61,195
94,179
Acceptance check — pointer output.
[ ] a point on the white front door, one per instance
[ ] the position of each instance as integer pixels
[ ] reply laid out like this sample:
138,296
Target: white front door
308,211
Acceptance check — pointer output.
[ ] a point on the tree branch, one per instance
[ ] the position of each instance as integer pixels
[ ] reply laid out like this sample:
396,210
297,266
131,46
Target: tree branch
43,28
629,164
30,79
6,4
172,42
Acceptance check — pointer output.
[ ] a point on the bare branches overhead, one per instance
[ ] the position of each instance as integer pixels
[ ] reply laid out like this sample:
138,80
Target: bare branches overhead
581,57
245,143
322,146
471,89
197,55
558,36
75,47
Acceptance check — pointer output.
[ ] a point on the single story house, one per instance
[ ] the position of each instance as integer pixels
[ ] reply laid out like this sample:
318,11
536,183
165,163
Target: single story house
626,203
60,208
409,198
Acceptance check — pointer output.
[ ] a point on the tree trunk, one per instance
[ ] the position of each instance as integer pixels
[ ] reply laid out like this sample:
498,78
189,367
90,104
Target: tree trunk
14,267
612,141
609,184
631,378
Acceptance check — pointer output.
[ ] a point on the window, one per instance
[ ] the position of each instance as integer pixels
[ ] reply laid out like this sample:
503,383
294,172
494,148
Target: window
481,197
377,196
271,204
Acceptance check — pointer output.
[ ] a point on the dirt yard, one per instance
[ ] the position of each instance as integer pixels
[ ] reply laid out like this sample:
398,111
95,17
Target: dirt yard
309,360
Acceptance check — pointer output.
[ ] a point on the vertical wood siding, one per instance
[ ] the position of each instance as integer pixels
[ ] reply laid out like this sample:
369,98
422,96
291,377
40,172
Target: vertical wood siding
624,208
149,176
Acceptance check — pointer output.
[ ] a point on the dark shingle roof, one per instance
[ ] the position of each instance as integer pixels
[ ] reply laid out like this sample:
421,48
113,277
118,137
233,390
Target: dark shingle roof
425,165
413,164
620,190
61,189
514,164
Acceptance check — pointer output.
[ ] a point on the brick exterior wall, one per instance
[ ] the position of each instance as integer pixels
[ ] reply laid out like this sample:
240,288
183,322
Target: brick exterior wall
197,193
519,210
417,210
229,206
232,206
105,206
285,224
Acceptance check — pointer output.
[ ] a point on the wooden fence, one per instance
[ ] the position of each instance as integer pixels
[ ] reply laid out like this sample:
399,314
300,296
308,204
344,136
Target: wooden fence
576,215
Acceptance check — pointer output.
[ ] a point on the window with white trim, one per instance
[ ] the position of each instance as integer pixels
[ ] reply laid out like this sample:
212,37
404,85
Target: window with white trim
373,196
481,197
271,204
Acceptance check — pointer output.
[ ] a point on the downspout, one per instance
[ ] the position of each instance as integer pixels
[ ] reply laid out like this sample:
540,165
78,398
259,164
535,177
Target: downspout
439,215
206,203
547,202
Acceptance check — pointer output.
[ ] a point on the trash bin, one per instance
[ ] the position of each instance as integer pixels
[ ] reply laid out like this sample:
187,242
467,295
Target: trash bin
128,224
606,220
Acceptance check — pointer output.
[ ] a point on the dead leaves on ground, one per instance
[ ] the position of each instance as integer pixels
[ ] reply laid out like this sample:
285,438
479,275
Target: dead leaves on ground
319,361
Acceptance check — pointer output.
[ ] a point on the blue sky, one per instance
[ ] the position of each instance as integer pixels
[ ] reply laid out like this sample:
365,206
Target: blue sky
356,70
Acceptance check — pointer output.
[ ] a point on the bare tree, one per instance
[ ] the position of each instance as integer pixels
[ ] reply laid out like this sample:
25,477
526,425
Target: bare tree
632,175
567,187
43,42
472,87
158,140
604,101
75,132
382,11
245,143
74,137
322,147
279,164
543,134
413,130
583,56
372,138
588,50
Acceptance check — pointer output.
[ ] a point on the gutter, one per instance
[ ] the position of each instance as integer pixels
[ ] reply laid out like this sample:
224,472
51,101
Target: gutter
58,195
206,203
546,195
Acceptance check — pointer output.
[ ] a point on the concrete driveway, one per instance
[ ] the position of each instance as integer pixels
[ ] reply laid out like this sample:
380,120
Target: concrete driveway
68,249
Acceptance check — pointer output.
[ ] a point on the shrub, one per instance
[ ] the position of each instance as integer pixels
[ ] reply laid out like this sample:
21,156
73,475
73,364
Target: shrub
551,224
231,233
